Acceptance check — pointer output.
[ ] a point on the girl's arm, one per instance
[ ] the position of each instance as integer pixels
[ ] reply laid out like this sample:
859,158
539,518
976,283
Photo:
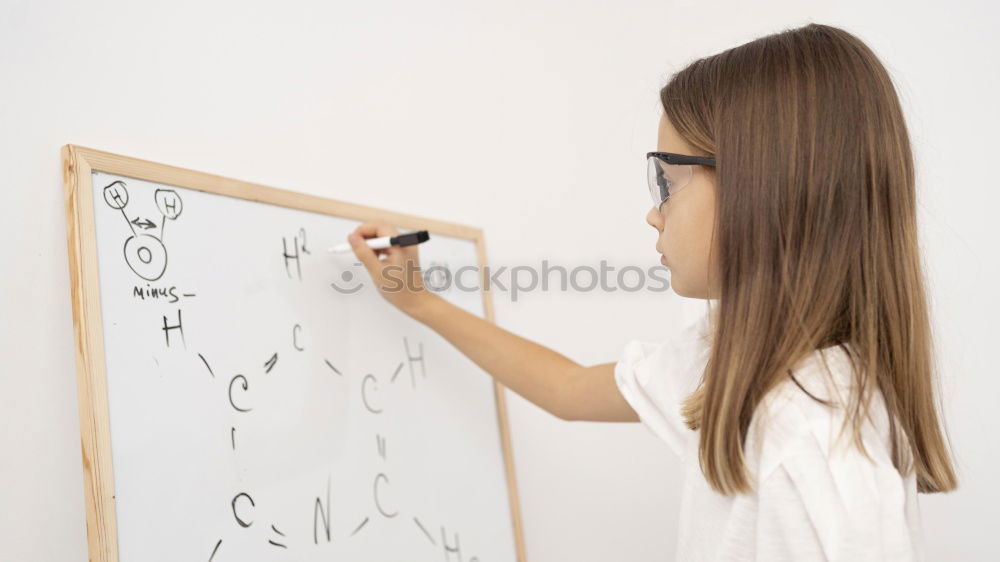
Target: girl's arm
544,377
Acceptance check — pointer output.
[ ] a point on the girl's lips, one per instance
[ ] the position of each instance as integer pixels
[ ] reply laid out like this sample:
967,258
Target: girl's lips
663,259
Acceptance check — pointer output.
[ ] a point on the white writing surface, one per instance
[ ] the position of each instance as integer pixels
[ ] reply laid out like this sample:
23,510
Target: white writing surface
265,403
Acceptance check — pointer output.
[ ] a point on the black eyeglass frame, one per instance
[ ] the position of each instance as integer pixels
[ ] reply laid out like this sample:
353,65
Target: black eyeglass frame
682,159
660,195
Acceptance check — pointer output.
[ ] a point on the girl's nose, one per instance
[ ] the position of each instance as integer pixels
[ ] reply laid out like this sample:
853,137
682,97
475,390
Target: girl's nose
654,218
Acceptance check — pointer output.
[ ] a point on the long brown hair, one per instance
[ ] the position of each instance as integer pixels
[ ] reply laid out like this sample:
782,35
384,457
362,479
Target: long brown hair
816,241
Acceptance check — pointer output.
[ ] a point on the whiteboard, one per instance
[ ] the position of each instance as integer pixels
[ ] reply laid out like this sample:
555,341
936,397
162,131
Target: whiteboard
264,402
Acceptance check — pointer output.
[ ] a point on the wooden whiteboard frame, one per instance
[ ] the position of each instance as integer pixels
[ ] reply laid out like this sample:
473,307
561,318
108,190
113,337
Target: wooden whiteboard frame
78,163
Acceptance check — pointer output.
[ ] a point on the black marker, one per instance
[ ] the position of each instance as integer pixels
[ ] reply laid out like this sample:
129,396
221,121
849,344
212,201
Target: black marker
408,239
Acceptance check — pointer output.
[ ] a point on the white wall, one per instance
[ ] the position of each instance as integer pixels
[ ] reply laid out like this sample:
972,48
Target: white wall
540,109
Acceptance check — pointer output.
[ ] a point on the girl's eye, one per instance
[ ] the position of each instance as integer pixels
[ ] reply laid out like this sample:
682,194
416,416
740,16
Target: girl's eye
665,182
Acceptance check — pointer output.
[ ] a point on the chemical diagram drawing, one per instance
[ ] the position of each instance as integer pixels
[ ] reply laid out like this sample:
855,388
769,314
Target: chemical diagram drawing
145,253
246,511
249,510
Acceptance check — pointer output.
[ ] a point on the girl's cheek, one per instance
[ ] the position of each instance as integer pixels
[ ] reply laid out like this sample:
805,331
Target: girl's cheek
673,233
666,239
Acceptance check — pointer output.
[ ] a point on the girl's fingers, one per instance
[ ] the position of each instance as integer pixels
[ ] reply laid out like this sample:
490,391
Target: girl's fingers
374,259
388,279
364,254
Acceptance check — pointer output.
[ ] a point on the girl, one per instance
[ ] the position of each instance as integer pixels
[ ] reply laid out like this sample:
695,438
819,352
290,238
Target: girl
803,401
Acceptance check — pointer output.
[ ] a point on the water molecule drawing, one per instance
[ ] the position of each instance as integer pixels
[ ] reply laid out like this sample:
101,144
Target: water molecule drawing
145,253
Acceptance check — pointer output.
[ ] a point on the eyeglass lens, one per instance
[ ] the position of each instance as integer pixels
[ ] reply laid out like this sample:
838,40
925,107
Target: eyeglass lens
666,179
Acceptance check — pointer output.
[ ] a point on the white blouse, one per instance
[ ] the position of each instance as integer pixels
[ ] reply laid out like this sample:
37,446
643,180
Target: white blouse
815,498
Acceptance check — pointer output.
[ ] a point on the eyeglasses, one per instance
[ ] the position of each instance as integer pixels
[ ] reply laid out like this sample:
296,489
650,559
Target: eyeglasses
668,173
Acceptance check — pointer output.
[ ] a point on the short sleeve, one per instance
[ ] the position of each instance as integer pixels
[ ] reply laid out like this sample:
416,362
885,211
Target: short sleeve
655,378
830,502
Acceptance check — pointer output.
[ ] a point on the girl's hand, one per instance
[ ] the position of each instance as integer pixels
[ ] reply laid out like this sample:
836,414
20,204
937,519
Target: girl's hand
395,270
